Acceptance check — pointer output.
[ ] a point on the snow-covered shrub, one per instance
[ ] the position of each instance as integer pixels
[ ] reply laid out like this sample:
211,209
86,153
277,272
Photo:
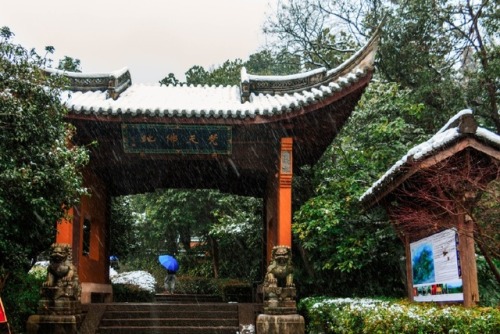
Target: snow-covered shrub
363,315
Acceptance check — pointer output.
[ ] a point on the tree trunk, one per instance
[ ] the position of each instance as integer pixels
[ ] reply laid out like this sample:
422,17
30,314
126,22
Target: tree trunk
3,281
214,248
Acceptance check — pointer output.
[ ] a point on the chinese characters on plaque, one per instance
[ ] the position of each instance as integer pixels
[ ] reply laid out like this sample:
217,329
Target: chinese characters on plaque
176,139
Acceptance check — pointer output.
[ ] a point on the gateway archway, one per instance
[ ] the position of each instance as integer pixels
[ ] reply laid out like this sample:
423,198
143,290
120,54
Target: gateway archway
244,140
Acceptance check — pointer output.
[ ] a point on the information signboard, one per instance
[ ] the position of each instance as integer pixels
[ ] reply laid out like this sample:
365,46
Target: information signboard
436,268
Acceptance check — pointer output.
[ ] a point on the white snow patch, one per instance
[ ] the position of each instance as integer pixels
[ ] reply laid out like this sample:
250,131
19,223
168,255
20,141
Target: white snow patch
140,278
112,272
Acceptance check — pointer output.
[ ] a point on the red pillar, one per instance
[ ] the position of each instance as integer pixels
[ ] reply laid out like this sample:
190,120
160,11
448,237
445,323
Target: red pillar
65,230
285,193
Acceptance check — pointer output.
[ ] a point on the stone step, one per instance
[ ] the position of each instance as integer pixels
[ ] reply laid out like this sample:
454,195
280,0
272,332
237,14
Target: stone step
187,298
168,330
166,307
168,314
170,322
170,318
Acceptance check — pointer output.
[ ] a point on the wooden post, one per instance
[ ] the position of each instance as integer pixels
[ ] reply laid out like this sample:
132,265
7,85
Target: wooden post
409,270
468,260
285,193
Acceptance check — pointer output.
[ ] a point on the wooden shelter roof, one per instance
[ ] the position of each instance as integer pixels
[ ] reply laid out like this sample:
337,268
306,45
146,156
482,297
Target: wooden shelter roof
248,119
460,132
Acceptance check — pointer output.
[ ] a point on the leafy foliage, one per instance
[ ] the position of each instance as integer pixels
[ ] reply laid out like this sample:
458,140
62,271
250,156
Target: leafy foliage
343,244
357,316
421,81
489,289
69,64
124,238
130,293
39,172
264,62
212,234
20,298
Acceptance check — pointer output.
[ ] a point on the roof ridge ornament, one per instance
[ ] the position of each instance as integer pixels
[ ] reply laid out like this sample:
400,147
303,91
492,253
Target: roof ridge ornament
113,83
359,64
464,121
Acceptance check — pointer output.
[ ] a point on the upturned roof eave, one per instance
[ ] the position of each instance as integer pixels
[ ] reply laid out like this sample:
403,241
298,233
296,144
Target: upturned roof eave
289,84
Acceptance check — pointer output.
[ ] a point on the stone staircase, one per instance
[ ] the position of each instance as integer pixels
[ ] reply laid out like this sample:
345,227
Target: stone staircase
172,314
170,318
187,298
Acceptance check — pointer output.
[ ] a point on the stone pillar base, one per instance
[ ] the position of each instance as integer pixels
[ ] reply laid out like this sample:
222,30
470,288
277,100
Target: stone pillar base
280,324
54,324
96,293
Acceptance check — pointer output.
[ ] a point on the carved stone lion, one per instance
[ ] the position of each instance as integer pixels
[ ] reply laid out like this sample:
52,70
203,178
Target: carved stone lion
62,278
280,271
279,289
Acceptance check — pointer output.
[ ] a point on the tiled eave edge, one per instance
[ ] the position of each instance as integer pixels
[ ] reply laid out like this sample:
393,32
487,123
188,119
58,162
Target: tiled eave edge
357,68
312,101
467,134
113,83
361,61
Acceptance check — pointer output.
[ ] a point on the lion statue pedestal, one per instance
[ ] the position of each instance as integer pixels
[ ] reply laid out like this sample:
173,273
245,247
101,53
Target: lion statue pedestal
59,309
280,308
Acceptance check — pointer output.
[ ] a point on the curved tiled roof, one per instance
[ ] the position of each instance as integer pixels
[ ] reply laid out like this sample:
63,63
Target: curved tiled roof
462,125
113,94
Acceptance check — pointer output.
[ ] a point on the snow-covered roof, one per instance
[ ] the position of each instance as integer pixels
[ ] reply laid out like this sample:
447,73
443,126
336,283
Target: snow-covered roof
459,126
197,101
114,94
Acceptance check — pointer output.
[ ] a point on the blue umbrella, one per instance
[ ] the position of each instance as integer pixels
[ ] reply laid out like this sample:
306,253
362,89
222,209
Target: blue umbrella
169,262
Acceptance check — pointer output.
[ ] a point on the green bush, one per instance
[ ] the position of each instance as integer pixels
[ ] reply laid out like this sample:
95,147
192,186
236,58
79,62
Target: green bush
489,289
359,316
228,289
197,285
131,293
236,291
20,297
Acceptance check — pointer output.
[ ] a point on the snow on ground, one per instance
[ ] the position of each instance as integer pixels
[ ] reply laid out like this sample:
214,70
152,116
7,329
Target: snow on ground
112,272
141,278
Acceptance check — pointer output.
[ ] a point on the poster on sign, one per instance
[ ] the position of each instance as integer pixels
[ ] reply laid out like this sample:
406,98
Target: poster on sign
3,316
436,268
4,325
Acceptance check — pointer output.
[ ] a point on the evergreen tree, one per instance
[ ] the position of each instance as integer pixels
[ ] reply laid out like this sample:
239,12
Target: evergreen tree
39,172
